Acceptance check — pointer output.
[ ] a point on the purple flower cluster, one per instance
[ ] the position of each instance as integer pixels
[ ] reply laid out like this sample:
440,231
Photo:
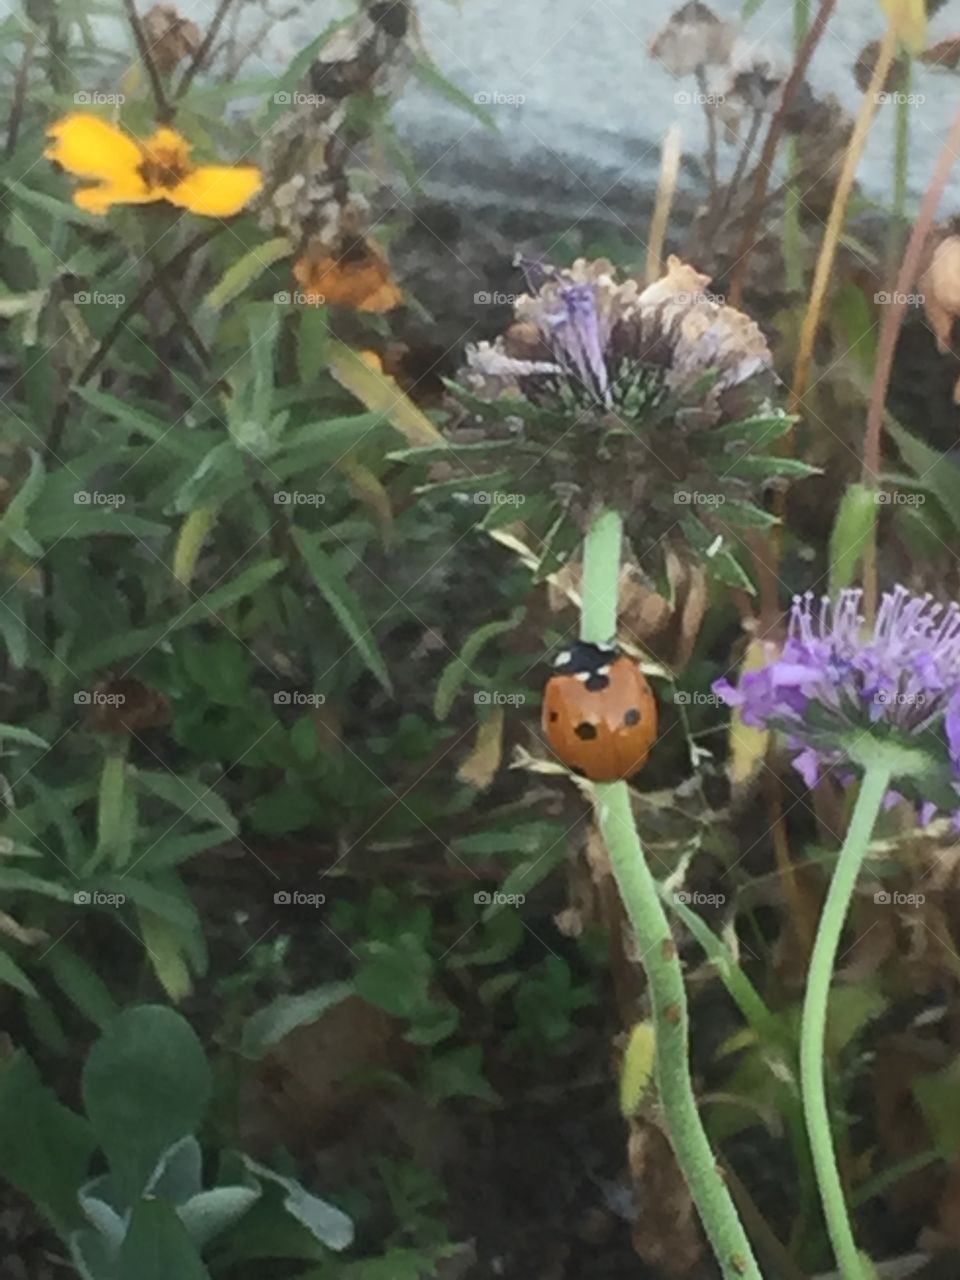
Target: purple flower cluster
837,679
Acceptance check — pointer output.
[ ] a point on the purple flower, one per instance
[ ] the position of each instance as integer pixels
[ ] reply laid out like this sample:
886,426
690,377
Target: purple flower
837,680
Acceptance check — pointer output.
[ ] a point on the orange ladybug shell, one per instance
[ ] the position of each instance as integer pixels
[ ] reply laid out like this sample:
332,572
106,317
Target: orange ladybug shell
599,713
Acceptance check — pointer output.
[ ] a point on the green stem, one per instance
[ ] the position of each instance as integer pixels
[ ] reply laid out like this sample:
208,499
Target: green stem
869,802
901,164
658,951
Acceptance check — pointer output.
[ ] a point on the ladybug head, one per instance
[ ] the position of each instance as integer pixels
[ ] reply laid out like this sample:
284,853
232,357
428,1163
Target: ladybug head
587,662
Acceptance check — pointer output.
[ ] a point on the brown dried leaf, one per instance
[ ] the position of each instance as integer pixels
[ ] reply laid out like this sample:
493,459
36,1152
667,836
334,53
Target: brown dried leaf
666,1232
481,765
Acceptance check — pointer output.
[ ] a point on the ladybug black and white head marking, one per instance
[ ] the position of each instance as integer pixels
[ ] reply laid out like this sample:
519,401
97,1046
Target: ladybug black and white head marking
587,662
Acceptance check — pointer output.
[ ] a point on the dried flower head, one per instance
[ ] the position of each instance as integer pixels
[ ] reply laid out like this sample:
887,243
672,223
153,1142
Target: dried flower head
694,37
169,37
751,84
838,682
629,396
355,275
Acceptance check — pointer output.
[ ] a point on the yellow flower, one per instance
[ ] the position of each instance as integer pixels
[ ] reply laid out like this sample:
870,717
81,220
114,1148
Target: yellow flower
130,172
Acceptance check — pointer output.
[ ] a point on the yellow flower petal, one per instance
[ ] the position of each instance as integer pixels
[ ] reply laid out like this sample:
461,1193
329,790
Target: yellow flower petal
99,199
92,148
216,191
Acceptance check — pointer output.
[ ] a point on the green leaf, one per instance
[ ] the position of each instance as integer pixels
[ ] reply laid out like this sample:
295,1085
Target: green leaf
45,1149
745,515
13,525
146,1084
313,342
755,466
157,1246
269,1025
241,274
457,671
344,603
853,526
325,1222
431,77
113,649
164,946
936,471
209,1213
13,976
81,984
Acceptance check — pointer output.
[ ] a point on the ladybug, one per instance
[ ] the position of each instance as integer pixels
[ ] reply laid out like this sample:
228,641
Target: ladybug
599,713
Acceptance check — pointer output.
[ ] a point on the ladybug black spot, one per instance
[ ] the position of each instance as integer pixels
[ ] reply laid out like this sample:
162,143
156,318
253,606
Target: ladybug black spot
596,682
632,716
581,773
586,731
554,717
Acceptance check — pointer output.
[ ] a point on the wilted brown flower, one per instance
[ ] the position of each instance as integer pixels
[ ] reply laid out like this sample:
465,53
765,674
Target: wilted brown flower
940,286
694,37
170,38
356,275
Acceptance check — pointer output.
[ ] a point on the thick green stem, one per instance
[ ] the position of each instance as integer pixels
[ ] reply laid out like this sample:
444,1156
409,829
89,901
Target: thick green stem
872,791
658,951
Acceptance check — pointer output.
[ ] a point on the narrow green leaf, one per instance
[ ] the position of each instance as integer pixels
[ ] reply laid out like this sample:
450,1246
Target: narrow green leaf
853,525
242,273
344,603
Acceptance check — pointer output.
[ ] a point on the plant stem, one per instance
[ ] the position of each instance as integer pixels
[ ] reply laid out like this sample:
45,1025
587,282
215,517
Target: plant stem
658,951
813,1031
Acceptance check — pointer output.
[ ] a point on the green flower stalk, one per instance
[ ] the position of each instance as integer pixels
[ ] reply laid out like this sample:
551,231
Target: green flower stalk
658,951
882,702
